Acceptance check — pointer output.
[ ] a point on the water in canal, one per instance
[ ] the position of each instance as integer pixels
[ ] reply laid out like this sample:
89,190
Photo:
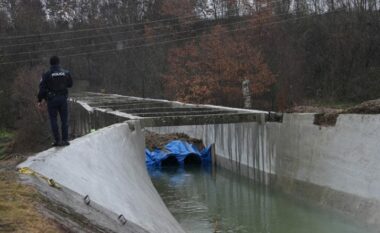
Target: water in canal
226,202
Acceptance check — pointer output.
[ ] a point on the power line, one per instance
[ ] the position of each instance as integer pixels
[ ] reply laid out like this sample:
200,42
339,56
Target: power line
86,29
153,44
89,37
157,43
134,39
137,38
113,33
103,28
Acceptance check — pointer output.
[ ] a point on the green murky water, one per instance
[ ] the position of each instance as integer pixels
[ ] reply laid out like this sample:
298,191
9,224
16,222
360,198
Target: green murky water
226,202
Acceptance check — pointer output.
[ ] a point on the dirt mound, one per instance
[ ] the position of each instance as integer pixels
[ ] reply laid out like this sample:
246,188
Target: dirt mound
326,119
323,116
311,109
155,140
368,107
328,116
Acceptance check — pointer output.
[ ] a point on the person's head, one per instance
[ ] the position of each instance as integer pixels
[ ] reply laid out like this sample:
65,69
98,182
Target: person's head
54,61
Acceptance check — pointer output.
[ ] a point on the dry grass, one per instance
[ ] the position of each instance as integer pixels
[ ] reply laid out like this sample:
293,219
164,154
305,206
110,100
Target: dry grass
18,207
6,139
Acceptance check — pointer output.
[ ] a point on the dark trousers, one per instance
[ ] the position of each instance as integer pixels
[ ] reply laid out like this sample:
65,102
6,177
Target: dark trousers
58,104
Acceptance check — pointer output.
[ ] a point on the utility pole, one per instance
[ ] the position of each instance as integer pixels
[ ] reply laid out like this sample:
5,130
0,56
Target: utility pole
246,94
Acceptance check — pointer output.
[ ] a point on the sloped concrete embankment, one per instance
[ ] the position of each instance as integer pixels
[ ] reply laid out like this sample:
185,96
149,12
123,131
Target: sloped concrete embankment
108,166
337,166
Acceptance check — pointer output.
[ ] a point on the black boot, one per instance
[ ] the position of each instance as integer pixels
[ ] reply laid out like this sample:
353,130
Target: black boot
55,144
65,143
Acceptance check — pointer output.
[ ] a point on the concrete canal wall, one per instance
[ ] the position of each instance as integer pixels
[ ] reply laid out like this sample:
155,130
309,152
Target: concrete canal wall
337,166
108,166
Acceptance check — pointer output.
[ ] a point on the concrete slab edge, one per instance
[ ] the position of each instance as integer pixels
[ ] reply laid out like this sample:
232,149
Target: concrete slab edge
70,210
185,104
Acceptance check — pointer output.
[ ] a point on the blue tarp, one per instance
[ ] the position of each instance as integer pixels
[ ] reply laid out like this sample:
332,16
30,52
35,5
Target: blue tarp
180,150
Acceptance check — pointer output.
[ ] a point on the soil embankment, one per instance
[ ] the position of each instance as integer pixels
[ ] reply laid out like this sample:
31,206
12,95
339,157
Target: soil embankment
328,116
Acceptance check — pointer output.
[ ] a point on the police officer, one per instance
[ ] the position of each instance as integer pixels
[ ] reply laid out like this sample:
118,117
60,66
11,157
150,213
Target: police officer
53,89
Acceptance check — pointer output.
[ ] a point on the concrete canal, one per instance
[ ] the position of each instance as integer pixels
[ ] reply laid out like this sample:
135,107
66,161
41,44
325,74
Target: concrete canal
334,168
222,201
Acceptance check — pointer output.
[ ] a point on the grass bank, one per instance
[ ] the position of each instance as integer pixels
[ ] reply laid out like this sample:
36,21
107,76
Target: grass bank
6,138
19,204
19,208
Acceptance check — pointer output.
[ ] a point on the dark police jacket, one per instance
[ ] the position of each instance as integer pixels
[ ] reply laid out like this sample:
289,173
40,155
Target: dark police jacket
54,82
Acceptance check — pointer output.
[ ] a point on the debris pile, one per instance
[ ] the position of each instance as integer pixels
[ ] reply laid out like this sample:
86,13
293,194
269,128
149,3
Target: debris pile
158,141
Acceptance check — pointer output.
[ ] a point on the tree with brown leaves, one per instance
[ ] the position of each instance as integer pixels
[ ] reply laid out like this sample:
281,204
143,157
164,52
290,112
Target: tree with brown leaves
212,69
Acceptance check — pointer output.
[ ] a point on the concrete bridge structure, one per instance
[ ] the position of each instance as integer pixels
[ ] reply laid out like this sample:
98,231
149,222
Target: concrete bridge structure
336,167
155,112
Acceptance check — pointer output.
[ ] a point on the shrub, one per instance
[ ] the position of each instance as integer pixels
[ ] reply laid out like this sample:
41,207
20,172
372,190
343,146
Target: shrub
32,125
